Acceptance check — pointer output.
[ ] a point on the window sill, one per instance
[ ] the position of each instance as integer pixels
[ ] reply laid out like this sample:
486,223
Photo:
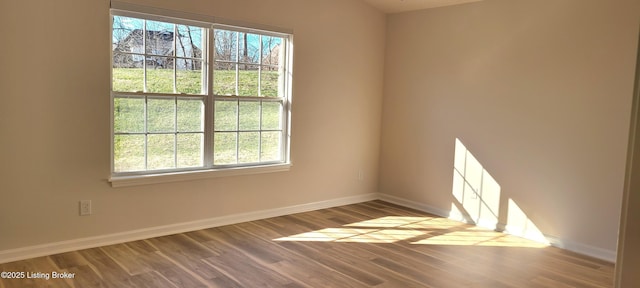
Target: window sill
125,181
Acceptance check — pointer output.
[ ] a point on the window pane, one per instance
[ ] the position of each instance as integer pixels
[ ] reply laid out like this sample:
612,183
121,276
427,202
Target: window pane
159,38
127,60
269,82
190,115
247,80
190,150
224,149
248,149
224,79
226,45
127,35
161,151
271,47
161,115
249,115
189,41
270,146
128,75
189,76
128,115
249,47
159,75
271,113
226,116
128,153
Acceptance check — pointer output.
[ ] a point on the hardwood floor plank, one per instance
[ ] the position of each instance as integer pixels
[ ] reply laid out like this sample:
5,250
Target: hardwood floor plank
321,256
314,275
140,247
151,279
86,276
261,275
68,260
254,247
188,256
106,269
128,259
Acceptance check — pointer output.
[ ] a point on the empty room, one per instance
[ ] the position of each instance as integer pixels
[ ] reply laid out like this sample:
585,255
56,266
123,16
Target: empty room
319,143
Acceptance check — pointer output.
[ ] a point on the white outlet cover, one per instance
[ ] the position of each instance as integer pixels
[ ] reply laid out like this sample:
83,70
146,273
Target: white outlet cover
85,207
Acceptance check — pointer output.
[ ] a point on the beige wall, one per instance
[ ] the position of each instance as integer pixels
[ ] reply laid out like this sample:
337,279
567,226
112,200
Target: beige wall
539,92
54,118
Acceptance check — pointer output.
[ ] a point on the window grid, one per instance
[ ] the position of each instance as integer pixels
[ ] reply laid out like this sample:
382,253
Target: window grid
236,61
207,72
260,130
176,131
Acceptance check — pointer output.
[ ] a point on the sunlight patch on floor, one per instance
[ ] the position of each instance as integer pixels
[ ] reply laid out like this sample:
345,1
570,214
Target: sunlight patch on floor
389,221
328,235
354,235
480,238
414,230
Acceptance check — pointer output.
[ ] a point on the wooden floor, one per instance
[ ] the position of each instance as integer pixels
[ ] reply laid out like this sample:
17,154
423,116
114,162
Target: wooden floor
372,244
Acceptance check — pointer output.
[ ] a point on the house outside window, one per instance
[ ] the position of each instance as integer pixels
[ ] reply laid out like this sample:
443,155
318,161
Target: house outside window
197,96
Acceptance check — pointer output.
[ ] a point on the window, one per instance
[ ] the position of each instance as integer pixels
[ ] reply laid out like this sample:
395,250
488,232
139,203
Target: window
193,96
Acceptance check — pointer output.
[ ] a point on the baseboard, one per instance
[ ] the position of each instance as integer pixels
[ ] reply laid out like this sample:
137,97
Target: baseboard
580,248
116,238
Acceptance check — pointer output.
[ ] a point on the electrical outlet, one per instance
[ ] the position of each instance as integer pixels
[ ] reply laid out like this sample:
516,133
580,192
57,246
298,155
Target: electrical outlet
360,175
85,207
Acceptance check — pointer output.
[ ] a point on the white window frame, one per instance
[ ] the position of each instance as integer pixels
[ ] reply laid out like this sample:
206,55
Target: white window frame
209,169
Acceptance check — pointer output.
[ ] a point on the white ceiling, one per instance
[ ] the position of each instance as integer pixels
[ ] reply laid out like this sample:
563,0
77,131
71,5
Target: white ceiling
395,6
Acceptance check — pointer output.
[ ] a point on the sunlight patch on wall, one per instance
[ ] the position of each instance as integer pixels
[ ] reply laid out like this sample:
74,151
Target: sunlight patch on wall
519,224
478,201
477,192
